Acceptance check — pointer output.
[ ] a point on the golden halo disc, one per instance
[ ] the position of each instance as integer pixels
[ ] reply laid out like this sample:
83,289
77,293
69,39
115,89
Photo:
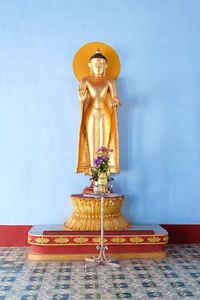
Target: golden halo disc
82,58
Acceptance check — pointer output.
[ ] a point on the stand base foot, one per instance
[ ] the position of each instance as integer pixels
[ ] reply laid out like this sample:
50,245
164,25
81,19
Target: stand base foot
93,262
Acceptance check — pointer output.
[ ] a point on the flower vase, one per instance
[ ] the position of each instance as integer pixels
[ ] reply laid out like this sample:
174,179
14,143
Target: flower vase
102,182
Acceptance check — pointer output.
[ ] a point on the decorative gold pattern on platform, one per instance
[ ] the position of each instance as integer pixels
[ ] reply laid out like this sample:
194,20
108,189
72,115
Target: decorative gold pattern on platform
42,240
86,240
136,239
87,214
61,240
97,240
81,240
153,239
118,240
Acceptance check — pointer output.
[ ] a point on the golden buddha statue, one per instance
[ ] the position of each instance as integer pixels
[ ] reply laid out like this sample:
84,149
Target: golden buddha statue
98,128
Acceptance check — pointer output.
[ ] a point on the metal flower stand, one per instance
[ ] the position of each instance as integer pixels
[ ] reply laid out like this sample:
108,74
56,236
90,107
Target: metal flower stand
102,259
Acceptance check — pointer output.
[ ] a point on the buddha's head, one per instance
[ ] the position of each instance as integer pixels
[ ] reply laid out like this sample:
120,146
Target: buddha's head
98,64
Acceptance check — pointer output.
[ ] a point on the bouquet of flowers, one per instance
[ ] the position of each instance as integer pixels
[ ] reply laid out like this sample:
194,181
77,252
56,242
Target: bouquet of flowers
101,163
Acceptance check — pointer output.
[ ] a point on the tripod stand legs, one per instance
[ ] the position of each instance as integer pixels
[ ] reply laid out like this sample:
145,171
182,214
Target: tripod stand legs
101,259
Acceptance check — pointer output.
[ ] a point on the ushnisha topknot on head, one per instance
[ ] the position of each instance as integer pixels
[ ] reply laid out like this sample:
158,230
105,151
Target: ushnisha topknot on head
98,54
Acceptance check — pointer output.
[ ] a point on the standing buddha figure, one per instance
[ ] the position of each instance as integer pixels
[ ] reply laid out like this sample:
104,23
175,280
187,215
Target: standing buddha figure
98,127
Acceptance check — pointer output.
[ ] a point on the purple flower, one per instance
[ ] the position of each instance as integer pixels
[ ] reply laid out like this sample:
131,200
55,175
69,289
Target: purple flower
101,162
95,162
98,161
105,158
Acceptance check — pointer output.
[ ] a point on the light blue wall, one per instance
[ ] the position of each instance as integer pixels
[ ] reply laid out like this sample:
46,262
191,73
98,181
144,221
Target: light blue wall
159,86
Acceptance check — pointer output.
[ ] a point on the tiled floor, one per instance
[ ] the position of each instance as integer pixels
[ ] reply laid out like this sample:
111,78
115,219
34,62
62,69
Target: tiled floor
177,277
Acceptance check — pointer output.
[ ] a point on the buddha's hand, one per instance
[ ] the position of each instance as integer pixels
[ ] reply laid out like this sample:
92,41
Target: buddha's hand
115,102
82,94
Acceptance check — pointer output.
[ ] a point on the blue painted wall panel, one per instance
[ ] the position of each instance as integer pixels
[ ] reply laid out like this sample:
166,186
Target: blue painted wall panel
159,121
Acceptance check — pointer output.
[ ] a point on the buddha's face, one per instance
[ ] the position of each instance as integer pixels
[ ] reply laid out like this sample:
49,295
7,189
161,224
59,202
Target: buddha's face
98,66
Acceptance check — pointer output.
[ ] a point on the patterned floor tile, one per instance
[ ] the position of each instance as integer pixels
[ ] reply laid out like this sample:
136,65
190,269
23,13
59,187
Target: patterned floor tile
176,277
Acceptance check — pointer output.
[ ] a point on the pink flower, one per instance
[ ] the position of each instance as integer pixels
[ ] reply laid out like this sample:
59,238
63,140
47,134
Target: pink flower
110,150
102,149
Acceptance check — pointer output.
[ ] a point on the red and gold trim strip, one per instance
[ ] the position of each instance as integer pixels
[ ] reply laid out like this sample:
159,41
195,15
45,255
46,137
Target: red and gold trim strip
16,235
73,240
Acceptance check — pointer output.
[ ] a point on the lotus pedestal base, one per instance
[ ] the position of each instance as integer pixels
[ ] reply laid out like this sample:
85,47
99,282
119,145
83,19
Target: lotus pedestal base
87,213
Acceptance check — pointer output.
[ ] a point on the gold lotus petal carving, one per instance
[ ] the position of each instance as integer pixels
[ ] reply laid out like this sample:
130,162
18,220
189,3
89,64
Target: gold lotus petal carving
42,240
154,239
61,240
87,214
98,240
81,240
136,239
118,240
